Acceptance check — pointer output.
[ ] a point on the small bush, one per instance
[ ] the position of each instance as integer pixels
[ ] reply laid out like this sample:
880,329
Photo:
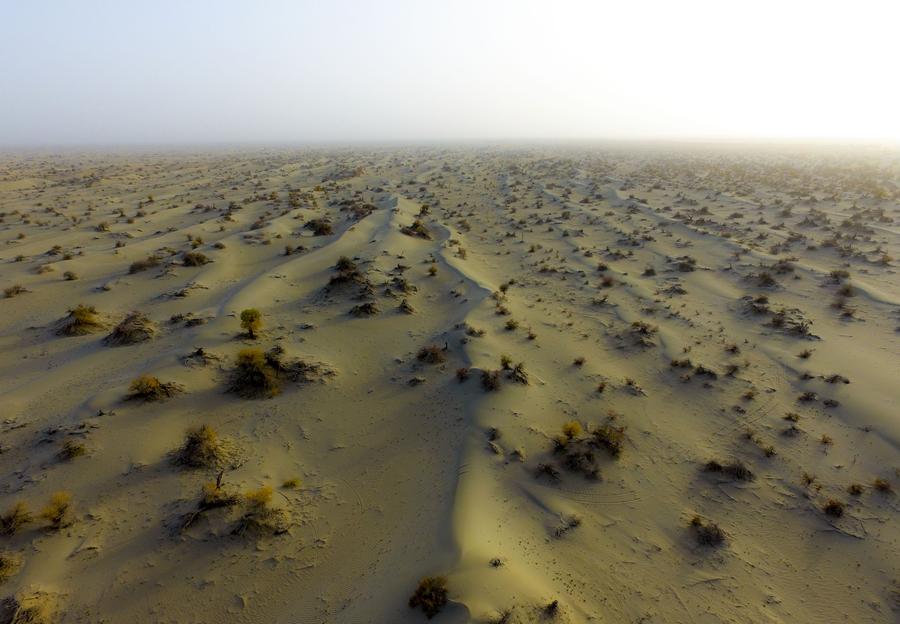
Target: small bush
149,388
490,380
201,448
80,320
12,291
320,227
15,518
430,595
834,508
364,309
143,265
134,328
194,258
462,373
260,517
9,565
70,276
882,485
70,450
707,533
735,470
253,377
416,229
251,321
291,484
59,510
431,354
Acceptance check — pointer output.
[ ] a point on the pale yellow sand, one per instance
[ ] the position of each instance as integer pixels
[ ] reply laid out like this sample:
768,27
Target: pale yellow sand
401,481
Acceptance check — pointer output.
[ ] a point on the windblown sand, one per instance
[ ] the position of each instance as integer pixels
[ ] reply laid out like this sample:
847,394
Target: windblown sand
674,306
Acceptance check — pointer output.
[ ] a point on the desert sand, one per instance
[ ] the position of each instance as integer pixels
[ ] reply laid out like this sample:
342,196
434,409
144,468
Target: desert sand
578,384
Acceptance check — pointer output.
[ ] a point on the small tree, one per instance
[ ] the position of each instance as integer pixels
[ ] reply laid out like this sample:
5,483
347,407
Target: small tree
251,321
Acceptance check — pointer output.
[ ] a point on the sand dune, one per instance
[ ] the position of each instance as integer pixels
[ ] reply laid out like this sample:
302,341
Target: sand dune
583,385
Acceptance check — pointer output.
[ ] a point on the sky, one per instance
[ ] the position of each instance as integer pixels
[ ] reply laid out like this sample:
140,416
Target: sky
93,72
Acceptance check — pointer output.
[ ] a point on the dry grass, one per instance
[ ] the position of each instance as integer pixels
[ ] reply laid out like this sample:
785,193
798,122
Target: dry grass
149,388
432,354
134,328
259,517
430,595
14,290
253,377
9,565
15,519
143,265
58,512
80,320
707,533
201,449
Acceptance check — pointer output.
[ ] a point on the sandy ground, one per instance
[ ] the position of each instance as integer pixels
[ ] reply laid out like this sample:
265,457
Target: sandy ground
679,306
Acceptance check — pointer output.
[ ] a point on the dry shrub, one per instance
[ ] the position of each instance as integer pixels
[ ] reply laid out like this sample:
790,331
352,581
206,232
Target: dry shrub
35,608
364,309
736,470
260,518
417,229
432,354
320,227
58,512
195,258
707,533
149,388
134,328
430,595
834,508
15,518
16,289
212,496
253,376
70,450
9,565
490,380
201,448
143,265
251,321
80,320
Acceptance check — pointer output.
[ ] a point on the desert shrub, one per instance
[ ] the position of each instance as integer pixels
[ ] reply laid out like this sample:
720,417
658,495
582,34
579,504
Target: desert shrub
833,508
319,227
610,436
15,518
490,380
70,276
572,429
12,291
518,374
70,450
9,565
58,511
291,484
253,376
430,595
735,470
149,388
33,608
512,325
432,270
212,496
462,373
201,448
79,321
432,354
194,258
345,265
882,485
142,265
406,307
855,489
707,533
134,328
260,517
416,229
251,321
364,309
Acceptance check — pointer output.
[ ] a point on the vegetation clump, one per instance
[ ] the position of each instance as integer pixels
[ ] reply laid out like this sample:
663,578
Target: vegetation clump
319,227
80,320
707,533
70,450
253,376
134,328
432,354
735,470
149,388
430,595
251,322
194,258
142,265
260,517
58,512
416,229
201,448
15,518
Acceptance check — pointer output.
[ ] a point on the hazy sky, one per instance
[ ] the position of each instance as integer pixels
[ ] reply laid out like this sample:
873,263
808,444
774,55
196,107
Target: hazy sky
133,71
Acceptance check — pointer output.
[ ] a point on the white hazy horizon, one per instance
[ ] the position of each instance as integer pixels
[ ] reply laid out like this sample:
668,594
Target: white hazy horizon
94,72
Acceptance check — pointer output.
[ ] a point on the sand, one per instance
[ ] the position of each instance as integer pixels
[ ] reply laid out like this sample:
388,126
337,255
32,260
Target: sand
682,305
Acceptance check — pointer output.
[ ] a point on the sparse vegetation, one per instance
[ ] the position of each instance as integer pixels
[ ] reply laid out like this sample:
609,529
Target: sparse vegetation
430,595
